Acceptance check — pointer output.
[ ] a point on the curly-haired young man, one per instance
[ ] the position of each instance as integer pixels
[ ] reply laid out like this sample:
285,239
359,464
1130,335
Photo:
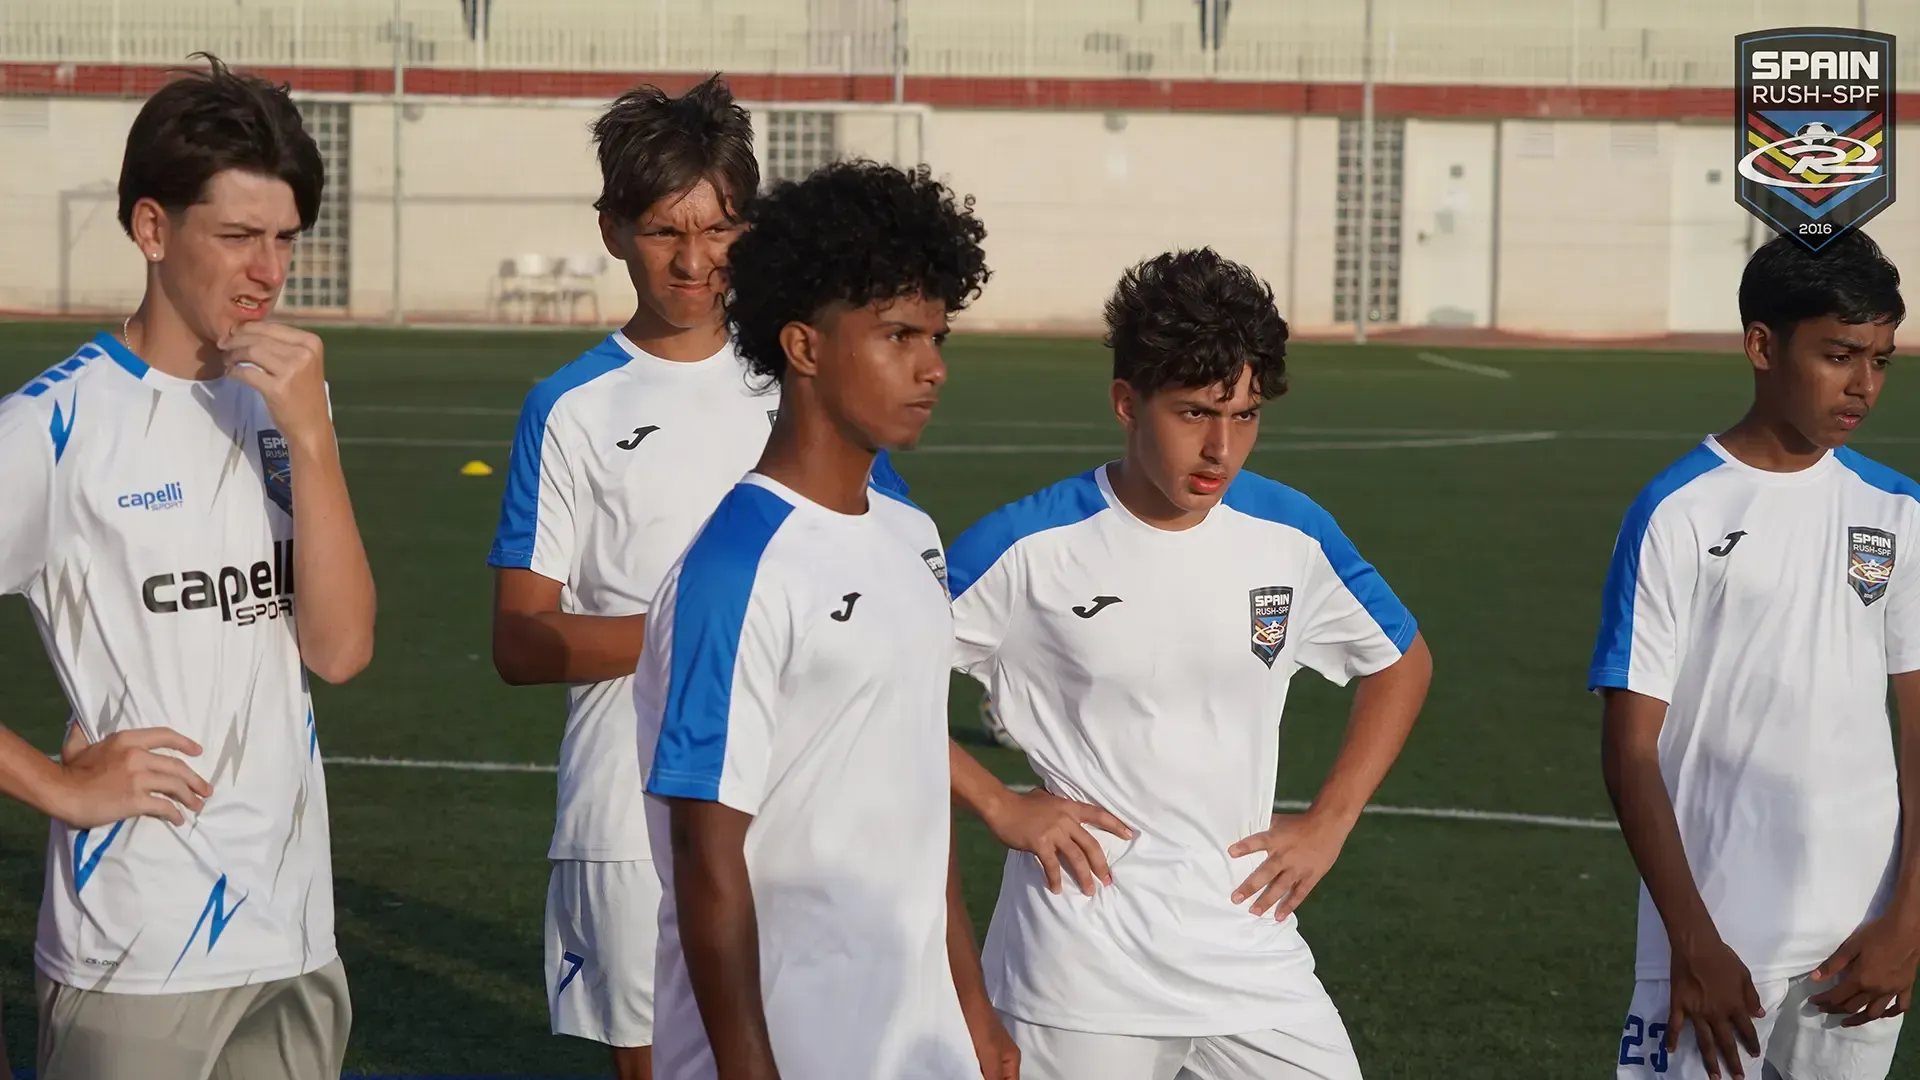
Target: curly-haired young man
792,694
1137,627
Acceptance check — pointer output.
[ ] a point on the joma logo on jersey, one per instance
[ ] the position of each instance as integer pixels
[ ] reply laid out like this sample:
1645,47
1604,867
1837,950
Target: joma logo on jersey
1869,562
1270,605
244,597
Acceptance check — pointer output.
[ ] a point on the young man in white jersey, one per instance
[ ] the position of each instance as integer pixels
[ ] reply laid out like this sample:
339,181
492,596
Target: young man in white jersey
619,457
1757,606
170,484
792,692
1137,627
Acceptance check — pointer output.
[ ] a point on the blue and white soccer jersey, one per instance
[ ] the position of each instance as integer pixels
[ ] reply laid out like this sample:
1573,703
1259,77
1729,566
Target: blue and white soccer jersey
796,671
618,459
1146,671
149,525
1767,610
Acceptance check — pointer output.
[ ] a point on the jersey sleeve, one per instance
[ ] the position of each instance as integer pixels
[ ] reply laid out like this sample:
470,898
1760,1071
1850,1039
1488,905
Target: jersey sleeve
729,638
986,577
536,530
1353,623
1643,607
1903,612
26,490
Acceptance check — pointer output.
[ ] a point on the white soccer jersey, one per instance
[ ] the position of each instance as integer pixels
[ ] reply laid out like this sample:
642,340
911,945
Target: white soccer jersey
1766,609
1145,671
149,525
796,671
619,457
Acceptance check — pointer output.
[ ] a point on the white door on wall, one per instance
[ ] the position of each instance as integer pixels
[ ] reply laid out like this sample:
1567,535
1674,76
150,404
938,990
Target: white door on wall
1447,235
1710,233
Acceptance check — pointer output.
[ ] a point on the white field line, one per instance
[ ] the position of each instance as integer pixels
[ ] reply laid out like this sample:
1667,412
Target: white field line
976,449
1461,365
1286,805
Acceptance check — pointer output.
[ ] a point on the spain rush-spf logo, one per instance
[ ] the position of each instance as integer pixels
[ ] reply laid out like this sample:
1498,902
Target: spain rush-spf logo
1270,605
1814,129
1869,562
276,467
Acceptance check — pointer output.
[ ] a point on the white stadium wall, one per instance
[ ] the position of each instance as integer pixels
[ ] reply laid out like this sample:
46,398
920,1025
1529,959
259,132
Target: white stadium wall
1602,229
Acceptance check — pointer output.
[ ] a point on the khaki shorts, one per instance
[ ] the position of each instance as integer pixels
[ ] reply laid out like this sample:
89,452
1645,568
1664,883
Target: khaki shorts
291,1029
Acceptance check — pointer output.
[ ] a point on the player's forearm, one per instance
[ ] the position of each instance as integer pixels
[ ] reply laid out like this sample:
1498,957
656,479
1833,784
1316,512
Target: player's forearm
963,955
333,585
1630,762
531,647
1906,890
974,787
1385,706
720,935
29,776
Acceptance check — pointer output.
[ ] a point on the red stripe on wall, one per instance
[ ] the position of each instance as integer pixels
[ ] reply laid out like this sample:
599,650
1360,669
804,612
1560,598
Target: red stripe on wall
1324,98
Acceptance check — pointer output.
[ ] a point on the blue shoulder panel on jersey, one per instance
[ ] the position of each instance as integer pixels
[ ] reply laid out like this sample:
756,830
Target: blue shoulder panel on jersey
1270,500
709,609
520,503
1876,474
121,355
1068,502
1613,651
887,478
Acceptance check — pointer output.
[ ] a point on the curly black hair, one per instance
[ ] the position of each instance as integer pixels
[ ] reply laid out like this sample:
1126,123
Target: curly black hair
853,232
1784,284
1192,318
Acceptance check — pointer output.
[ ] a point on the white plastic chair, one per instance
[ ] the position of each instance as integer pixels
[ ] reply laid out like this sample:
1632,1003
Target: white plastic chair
538,279
579,280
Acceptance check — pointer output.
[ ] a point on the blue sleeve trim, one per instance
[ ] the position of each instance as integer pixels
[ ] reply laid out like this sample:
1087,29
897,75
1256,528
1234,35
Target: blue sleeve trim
975,551
121,355
1613,650
1270,500
513,540
1877,475
888,479
717,575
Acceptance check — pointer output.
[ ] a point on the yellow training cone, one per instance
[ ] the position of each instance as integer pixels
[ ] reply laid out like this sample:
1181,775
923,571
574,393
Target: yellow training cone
476,468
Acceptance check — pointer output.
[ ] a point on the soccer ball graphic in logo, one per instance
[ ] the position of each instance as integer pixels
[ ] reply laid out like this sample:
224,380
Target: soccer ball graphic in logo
990,721
1815,134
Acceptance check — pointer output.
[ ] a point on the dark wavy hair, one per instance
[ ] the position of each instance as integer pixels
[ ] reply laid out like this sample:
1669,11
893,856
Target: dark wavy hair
652,145
206,122
852,233
1188,319
1784,284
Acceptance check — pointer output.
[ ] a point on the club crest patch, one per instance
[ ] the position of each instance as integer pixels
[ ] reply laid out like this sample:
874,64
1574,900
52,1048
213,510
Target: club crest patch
276,468
1269,607
1814,130
1869,562
937,562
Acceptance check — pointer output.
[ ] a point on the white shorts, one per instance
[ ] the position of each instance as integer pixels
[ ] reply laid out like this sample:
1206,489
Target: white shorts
1319,1050
1797,1040
603,921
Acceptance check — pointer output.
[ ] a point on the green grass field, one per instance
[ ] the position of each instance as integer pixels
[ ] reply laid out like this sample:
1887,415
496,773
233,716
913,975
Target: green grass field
1455,948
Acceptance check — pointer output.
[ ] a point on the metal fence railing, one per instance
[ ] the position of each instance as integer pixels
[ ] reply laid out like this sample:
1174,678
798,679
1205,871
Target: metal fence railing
1566,42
